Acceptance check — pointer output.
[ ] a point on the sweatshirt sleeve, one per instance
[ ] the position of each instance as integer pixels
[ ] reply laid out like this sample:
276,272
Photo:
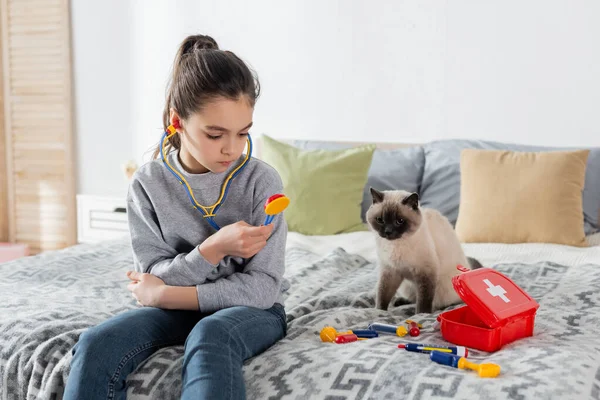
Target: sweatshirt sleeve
152,254
259,284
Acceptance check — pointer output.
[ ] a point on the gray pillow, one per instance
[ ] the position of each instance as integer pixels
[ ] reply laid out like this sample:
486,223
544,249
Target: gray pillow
390,169
440,188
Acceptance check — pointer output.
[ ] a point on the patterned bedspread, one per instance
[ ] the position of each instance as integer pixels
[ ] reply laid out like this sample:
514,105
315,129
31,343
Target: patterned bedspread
47,301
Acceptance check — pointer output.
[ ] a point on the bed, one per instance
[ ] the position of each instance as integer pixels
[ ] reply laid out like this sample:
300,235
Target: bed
333,282
48,300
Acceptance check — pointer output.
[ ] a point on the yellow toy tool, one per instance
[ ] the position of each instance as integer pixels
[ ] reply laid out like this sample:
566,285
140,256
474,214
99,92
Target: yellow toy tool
451,360
328,334
274,205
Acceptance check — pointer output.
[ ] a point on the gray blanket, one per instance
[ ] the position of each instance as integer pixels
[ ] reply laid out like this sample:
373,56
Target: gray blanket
47,301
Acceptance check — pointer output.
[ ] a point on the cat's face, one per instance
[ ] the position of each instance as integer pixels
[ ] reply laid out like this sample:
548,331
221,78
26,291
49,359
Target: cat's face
394,213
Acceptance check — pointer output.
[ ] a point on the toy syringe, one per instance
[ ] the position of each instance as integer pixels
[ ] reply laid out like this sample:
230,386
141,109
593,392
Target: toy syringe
387,328
428,348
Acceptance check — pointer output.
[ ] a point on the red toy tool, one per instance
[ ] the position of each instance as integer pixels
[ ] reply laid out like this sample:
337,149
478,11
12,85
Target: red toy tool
414,328
347,338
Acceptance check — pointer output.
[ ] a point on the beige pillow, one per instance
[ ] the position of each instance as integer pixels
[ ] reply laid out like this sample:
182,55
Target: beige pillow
522,197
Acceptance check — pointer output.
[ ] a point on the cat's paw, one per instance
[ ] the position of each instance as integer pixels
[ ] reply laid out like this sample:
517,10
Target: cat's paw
401,301
424,309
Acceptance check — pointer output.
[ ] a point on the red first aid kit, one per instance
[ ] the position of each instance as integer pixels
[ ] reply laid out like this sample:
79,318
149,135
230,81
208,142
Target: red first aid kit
498,311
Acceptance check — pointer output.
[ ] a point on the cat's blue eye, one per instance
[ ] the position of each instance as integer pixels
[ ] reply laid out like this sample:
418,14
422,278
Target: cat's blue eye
400,221
379,220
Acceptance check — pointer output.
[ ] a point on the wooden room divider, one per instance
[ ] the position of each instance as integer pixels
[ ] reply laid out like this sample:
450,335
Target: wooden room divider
37,173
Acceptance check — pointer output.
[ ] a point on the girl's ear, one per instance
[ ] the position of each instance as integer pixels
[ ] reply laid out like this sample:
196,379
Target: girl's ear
174,119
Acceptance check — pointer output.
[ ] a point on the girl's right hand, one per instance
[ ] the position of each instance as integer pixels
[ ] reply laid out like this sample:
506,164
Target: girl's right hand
238,240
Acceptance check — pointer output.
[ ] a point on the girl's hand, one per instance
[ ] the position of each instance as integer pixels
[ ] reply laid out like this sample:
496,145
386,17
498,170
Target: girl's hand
146,288
238,240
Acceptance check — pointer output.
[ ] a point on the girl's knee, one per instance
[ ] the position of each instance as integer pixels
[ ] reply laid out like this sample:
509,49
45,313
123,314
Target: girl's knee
87,350
101,340
210,329
90,342
215,332
214,339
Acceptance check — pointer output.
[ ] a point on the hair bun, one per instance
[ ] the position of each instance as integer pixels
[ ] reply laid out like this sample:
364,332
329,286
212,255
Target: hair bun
199,42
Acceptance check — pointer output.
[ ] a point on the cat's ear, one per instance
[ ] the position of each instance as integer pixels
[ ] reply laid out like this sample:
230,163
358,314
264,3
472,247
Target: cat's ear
377,195
412,201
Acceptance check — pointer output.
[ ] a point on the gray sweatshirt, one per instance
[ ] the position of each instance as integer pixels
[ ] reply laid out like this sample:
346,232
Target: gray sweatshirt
166,232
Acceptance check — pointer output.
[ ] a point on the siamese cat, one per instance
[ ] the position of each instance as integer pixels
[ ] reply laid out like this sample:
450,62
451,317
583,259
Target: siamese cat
418,252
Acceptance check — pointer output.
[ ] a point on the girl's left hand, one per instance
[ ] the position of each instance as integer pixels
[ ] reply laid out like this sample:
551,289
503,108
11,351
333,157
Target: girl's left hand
145,288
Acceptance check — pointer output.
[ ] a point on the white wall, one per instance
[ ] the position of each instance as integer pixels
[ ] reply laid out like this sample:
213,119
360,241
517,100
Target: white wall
399,71
524,70
101,46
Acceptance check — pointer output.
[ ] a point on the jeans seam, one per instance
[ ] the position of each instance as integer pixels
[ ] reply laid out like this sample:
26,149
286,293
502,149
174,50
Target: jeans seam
128,357
282,318
235,328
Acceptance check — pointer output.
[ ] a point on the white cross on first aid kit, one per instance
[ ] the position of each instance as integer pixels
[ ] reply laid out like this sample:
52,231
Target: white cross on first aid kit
496,290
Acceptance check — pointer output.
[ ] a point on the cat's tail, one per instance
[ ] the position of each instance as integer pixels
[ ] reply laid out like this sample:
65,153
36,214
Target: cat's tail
474,263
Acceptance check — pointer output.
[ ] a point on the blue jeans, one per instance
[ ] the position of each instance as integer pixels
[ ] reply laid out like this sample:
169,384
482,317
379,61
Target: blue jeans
216,345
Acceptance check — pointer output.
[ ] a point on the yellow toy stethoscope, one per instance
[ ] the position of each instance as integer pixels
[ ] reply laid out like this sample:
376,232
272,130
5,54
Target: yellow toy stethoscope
208,212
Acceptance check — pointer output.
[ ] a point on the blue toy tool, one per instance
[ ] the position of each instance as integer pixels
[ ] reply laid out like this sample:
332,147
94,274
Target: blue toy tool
428,348
387,328
365,333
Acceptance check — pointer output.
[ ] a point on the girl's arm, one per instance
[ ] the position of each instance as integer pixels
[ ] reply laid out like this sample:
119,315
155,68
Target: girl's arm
151,291
151,254
259,285
179,298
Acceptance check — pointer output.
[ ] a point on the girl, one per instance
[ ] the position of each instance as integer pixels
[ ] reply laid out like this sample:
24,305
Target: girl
211,278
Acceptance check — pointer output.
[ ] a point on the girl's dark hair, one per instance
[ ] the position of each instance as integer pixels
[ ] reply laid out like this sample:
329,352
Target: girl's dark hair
201,73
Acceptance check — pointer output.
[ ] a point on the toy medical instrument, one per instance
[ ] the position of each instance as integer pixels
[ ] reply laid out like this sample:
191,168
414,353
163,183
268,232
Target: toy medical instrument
208,212
274,205
387,328
414,328
347,338
329,334
428,348
365,333
455,361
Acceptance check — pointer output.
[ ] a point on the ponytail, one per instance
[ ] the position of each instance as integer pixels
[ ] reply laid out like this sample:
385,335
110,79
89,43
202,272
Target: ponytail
201,73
